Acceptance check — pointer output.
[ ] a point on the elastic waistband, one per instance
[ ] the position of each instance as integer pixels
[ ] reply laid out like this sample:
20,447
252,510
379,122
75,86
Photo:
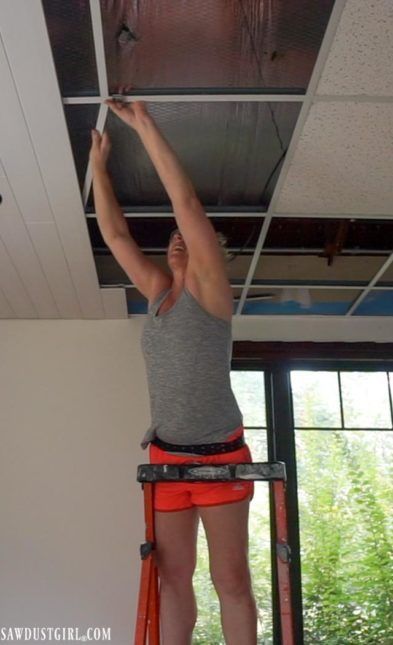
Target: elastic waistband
202,449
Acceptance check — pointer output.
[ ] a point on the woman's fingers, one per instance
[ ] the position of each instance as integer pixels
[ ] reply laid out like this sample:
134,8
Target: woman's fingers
95,137
115,106
105,142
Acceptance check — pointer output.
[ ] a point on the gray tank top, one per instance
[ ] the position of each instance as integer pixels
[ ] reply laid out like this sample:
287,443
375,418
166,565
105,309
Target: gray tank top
188,354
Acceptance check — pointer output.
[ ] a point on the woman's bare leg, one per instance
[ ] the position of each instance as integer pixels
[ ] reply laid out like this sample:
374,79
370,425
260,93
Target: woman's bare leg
226,529
176,538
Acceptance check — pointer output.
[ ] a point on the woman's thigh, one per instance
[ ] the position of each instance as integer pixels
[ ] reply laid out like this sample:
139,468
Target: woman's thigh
226,529
176,543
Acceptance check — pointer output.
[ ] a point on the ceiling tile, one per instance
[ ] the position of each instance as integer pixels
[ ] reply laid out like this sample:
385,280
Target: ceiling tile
332,236
360,58
205,43
70,32
343,161
231,151
81,119
153,232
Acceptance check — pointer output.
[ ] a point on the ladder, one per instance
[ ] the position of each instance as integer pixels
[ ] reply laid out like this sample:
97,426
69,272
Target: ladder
147,628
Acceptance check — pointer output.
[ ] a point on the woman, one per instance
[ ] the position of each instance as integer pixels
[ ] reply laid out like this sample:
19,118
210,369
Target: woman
187,345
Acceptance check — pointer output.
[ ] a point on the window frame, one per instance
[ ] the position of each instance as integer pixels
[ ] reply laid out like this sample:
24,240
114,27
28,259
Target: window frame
277,360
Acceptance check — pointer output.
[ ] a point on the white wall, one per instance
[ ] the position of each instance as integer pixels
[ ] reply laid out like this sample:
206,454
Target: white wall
73,408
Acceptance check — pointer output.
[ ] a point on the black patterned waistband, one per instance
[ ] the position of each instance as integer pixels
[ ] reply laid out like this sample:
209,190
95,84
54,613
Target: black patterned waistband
201,449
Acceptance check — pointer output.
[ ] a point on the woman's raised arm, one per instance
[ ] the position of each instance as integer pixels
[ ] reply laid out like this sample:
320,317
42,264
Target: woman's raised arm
148,278
204,251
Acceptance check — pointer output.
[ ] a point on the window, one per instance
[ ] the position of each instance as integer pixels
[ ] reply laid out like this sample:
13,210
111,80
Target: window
344,457
336,427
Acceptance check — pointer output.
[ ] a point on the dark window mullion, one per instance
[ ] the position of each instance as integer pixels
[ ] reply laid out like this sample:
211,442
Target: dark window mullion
341,401
282,439
390,397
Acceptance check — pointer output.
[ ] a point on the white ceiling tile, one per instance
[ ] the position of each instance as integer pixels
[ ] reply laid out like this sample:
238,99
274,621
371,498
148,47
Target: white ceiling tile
343,161
360,58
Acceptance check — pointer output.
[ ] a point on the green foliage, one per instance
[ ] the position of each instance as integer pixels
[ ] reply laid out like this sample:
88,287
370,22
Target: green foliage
345,489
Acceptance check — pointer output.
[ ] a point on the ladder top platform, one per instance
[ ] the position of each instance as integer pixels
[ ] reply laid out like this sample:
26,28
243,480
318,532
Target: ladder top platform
263,471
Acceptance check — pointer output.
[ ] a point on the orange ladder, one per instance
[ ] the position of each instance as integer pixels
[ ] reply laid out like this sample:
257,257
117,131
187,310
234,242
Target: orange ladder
147,629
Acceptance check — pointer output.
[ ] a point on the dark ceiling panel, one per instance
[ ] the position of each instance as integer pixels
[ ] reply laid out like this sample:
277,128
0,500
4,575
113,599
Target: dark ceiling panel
211,44
153,232
81,119
70,33
344,234
110,272
136,302
386,278
315,269
231,152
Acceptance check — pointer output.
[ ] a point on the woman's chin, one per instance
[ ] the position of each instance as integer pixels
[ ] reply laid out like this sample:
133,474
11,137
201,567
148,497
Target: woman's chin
177,260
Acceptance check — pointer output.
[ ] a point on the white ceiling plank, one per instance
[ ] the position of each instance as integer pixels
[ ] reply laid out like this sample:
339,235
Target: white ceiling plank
17,152
303,114
13,288
6,310
48,246
29,55
19,246
115,303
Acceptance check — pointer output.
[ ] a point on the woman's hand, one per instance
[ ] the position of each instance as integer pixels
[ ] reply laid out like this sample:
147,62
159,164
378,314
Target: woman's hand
134,114
99,151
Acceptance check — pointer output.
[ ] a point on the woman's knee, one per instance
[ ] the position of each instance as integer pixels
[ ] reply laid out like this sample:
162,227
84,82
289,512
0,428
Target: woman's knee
175,572
233,580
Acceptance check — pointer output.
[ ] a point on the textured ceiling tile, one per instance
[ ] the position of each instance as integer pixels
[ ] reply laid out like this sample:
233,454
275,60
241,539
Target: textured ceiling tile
360,58
343,161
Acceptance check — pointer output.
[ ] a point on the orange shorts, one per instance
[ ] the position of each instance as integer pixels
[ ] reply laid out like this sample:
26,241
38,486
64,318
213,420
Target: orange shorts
178,496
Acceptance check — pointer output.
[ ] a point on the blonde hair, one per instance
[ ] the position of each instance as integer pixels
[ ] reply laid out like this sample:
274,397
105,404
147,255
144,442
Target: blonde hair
223,241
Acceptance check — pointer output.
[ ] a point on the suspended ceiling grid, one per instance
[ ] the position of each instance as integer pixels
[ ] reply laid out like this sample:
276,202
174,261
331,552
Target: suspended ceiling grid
268,238
251,294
